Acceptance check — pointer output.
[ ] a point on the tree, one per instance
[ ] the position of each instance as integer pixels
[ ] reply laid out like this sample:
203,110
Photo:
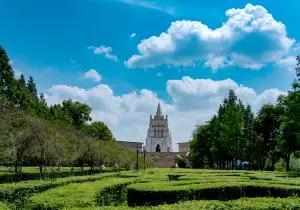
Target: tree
79,113
31,86
100,131
226,137
7,81
268,123
231,115
289,138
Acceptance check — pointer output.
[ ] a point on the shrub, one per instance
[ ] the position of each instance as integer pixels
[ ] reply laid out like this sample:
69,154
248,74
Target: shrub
114,194
16,191
139,195
85,194
3,206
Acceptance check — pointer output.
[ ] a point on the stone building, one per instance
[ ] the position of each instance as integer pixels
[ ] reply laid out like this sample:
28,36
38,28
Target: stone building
184,147
131,145
158,136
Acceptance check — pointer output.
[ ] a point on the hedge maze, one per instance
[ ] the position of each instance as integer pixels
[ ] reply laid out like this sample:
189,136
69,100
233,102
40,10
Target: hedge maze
157,189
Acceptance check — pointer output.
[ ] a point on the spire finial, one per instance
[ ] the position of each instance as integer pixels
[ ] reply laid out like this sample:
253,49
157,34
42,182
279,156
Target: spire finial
158,111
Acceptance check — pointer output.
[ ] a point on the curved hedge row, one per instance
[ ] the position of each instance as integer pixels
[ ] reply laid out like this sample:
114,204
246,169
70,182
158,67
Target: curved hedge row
82,195
218,191
113,194
15,191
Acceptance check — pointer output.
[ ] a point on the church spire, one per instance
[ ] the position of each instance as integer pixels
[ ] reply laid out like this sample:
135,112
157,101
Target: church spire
158,111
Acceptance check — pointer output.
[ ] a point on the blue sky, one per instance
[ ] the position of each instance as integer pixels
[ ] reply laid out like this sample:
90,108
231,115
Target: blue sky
73,47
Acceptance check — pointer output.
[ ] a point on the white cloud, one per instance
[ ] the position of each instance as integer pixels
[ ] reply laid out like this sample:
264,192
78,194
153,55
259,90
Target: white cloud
104,50
132,35
93,75
250,38
193,101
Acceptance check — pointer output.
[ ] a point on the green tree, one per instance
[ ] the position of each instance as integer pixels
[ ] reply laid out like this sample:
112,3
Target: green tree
268,123
100,131
31,86
79,113
7,81
289,138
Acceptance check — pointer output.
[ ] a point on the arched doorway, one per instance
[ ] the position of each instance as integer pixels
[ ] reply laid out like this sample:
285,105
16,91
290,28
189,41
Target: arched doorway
157,148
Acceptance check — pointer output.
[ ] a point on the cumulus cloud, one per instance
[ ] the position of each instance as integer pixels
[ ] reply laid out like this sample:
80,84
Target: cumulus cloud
104,50
250,38
206,94
93,75
193,101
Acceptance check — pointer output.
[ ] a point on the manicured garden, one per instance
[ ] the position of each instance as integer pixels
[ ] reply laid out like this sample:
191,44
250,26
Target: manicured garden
157,189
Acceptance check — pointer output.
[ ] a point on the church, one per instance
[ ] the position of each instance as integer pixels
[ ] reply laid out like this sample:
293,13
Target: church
158,135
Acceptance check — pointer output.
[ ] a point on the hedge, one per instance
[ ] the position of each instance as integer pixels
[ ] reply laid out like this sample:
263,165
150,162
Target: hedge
239,204
17,177
113,194
3,206
216,191
15,191
108,191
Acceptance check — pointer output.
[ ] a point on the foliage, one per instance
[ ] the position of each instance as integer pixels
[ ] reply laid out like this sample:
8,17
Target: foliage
152,187
235,133
228,136
100,131
289,139
73,195
14,192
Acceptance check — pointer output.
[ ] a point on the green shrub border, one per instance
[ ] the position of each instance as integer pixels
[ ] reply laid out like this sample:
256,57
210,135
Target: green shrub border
136,197
17,194
17,177
113,195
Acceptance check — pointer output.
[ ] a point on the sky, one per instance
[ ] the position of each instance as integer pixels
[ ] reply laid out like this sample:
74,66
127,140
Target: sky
122,57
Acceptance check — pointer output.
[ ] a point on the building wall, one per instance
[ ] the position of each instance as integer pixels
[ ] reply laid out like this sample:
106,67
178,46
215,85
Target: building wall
131,145
164,159
184,147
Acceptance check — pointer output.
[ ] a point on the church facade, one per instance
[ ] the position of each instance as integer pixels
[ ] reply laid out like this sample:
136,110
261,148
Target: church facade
158,135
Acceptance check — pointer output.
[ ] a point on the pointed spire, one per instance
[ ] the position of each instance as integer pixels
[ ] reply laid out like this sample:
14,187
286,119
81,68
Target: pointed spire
158,111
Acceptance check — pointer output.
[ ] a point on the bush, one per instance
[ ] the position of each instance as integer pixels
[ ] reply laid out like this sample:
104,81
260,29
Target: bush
86,194
113,195
16,177
16,191
139,195
3,206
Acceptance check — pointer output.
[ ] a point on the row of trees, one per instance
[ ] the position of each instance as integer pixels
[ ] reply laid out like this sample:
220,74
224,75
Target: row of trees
32,133
24,95
235,133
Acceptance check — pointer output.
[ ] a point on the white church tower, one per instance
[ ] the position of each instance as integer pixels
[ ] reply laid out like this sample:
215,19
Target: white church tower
158,136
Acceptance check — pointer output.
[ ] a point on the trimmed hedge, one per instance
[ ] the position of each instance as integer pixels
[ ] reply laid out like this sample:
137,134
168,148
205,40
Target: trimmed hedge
291,203
81,195
114,194
3,206
16,191
218,191
17,177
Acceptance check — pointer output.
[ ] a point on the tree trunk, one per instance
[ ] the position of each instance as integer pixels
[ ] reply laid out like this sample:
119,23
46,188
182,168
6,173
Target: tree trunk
16,167
288,163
